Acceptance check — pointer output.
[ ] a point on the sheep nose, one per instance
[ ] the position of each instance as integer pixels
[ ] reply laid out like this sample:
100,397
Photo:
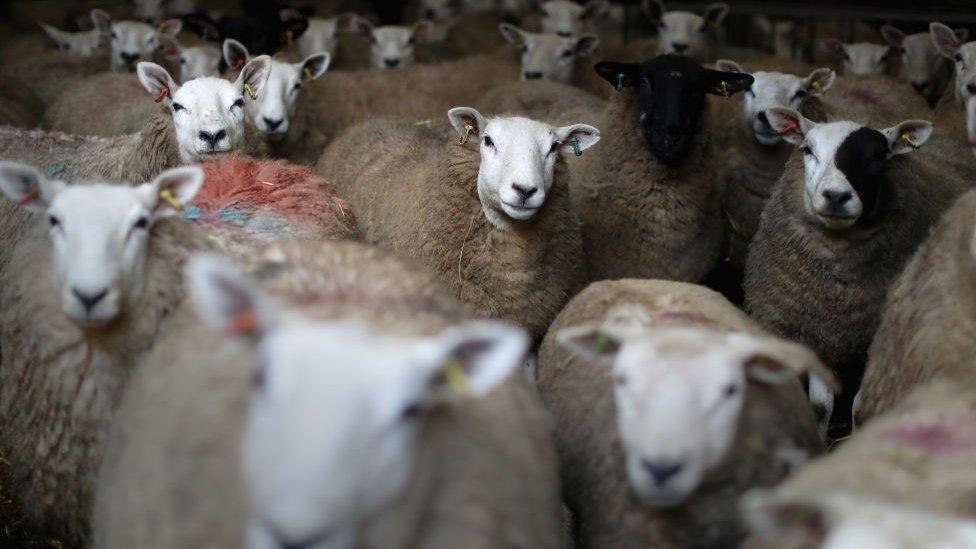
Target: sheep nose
532,75
661,472
524,192
679,47
762,118
129,58
88,301
919,86
391,63
430,14
836,199
564,34
212,137
272,125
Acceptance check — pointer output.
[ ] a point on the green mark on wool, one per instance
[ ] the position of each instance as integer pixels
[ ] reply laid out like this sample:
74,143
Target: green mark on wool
128,129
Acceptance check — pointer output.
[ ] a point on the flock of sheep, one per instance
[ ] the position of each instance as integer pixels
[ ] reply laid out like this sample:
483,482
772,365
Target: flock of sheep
497,278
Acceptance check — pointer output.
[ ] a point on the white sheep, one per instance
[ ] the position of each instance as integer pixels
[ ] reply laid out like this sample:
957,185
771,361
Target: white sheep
568,19
132,41
86,291
962,55
391,46
341,336
860,59
669,403
548,56
322,35
194,61
82,43
683,32
922,66
153,11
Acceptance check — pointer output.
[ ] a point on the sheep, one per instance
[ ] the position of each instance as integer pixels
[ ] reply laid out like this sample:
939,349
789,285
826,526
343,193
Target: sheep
84,294
962,55
922,66
82,43
131,41
919,454
19,105
551,102
860,59
567,19
491,214
50,73
686,33
848,212
152,11
550,57
264,32
926,330
485,474
753,155
778,37
128,106
322,36
194,61
391,46
707,405
648,202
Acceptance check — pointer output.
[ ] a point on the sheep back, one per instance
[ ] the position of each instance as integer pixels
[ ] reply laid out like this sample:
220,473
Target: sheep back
76,111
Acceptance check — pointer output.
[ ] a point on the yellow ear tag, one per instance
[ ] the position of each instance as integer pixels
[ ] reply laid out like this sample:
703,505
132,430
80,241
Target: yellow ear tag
167,196
601,343
250,92
468,128
818,87
457,380
289,37
725,90
308,73
911,142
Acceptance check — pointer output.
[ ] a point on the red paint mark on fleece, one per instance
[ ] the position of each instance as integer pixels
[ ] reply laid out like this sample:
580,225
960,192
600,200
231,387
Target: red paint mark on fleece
933,439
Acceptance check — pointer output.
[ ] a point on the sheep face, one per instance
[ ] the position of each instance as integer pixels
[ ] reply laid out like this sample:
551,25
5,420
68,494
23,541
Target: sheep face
100,235
392,46
435,10
547,56
921,61
861,59
322,36
518,159
844,165
338,408
195,62
682,32
132,41
963,56
670,93
775,89
77,43
567,19
679,394
208,113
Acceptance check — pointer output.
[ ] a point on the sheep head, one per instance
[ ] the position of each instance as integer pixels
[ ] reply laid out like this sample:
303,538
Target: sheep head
548,56
132,41
195,61
921,61
339,402
392,46
962,54
845,165
82,43
322,36
566,19
679,393
100,234
861,59
208,113
518,160
776,89
683,32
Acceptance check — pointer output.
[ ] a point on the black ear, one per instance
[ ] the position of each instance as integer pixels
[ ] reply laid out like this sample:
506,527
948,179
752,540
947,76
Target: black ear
726,83
620,75
203,26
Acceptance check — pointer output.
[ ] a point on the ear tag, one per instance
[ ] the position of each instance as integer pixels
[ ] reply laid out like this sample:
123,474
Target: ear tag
574,141
242,323
725,89
468,128
239,64
818,87
250,92
457,380
789,128
620,82
601,343
289,37
163,93
167,196
308,73
907,138
30,196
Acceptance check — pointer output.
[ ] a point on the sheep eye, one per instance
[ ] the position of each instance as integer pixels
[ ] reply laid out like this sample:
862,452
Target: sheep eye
53,221
298,86
177,107
489,142
113,36
730,391
183,61
703,29
410,41
807,151
411,411
554,146
904,51
800,94
544,13
568,53
238,103
958,58
662,26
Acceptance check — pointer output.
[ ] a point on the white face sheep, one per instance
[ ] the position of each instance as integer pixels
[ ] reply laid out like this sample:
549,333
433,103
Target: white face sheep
962,55
776,89
861,59
683,32
152,11
838,184
79,43
547,56
363,395
99,234
274,107
922,66
567,19
132,41
322,35
208,113
518,157
391,46
435,10
679,393
195,61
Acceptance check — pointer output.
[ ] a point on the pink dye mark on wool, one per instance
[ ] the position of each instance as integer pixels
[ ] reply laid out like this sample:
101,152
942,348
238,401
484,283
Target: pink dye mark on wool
865,96
932,439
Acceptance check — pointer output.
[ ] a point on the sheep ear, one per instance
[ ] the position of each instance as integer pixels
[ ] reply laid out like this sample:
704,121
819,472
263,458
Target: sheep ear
586,45
155,79
235,53
594,9
727,65
227,300
780,520
819,81
789,124
59,36
362,26
473,358
892,36
254,74
102,21
512,34
727,84
169,46
834,47
585,137
172,190
762,23
421,30
619,75
715,13
204,26
654,11
296,27
464,117
907,136
773,361
593,342
945,40
169,27
315,65
27,187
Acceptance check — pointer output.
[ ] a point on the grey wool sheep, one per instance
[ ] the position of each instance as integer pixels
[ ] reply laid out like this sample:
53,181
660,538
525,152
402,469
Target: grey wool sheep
175,475
85,293
545,100
649,202
127,106
491,215
850,209
928,330
19,105
669,403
